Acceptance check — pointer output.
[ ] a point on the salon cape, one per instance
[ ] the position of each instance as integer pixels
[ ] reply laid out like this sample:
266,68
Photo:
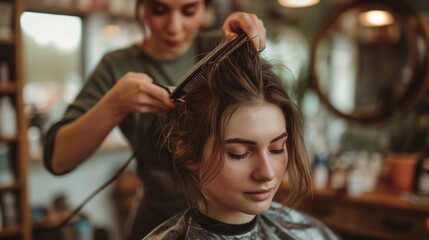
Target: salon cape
279,222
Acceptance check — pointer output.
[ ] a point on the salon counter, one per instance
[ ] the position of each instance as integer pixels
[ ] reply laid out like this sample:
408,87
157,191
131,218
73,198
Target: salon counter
381,214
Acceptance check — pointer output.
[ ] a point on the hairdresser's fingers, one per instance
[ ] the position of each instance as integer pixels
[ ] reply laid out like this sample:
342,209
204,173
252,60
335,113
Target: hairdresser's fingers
134,90
150,100
262,35
156,96
150,92
248,23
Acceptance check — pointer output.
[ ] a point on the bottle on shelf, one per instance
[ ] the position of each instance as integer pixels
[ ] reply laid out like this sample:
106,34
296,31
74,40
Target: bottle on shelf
10,215
4,73
321,171
6,173
1,219
6,13
422,176
8,118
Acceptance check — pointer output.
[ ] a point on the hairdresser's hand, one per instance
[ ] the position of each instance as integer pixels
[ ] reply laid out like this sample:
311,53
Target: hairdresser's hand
248,23
136,92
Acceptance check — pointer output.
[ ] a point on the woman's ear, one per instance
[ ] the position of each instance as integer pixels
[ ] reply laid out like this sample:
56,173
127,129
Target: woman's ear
193,166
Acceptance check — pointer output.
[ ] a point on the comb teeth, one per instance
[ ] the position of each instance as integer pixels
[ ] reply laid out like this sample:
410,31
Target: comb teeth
198,80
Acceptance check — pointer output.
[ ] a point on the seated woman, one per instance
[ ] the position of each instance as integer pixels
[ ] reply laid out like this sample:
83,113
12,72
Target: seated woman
233,140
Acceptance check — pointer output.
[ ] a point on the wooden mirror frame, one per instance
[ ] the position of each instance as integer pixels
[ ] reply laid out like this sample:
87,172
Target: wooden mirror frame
416,33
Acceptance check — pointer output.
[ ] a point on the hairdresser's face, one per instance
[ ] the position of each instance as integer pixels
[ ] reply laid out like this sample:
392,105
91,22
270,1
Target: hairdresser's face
173,25
254,164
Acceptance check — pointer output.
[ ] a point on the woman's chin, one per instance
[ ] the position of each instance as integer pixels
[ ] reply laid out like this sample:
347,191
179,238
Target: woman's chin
172,52
258,208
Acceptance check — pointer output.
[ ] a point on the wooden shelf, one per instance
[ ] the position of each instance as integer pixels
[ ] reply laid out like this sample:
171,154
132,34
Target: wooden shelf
7,42
385,197
382,196
8,88
10,232
56,10
381,214
11,53
8,140
12,187
36,6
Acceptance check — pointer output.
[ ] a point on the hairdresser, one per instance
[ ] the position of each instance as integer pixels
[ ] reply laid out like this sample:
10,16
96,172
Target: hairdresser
122,92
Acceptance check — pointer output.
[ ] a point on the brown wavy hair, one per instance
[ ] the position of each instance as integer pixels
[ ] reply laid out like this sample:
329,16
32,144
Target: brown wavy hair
242,78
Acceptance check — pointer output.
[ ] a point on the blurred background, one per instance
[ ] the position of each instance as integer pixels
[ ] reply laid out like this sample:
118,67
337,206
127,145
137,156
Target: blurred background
357,69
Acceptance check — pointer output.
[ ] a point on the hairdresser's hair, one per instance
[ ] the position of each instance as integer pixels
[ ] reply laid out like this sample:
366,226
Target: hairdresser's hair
243,78
138,12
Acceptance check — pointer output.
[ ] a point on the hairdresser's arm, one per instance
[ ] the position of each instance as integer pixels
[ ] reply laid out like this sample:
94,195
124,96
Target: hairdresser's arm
77,140
248,23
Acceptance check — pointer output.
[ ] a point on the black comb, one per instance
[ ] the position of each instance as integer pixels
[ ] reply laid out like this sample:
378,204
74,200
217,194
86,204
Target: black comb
195,77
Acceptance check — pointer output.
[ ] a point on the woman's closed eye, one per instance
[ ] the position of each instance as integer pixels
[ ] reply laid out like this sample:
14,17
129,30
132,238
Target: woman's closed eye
277,151
161,9
245,155
190,10
278,148
239,156
158,9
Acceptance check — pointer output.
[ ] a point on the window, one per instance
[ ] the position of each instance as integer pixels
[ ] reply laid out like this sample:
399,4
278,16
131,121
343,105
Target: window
53,66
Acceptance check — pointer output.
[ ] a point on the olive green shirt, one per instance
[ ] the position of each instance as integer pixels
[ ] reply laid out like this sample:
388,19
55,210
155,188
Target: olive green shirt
160,200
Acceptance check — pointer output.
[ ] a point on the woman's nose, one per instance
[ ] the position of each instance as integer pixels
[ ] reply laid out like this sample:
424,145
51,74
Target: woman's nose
174,23
263,168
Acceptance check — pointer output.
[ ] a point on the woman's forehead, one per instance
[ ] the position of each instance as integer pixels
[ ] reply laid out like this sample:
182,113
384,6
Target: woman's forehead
255,120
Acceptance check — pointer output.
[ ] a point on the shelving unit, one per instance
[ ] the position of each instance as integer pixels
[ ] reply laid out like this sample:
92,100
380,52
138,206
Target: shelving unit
11,54
381,214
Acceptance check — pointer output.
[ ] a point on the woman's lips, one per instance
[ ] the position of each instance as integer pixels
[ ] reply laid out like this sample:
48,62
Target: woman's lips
172,43
260,195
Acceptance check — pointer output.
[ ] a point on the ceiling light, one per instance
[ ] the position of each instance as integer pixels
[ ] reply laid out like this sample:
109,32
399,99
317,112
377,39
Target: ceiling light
376,18
297,3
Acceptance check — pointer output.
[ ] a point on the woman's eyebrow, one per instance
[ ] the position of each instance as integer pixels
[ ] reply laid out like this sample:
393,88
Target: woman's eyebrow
155,2
191,4
283,135
250,142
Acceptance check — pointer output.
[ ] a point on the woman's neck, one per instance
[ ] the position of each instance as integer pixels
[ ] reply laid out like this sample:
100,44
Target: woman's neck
159,52
217,227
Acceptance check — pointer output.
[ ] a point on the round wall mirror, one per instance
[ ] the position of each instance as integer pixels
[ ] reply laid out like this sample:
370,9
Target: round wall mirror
369,60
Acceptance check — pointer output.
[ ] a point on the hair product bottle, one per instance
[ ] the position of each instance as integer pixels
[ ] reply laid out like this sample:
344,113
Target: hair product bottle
8,121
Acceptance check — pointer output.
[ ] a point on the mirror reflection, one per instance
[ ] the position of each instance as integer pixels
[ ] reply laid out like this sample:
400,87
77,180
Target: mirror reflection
57,39
365,61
